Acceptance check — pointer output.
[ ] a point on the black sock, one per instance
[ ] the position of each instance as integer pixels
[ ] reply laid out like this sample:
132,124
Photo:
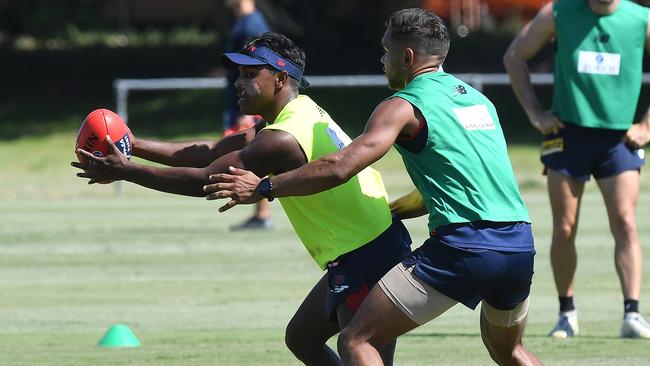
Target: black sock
631,306
566,303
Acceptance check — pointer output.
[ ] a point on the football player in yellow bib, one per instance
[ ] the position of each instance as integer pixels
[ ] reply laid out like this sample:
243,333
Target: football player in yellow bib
348,230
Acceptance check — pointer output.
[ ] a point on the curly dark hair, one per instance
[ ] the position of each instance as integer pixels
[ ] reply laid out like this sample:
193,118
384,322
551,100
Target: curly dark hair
283,46
420,28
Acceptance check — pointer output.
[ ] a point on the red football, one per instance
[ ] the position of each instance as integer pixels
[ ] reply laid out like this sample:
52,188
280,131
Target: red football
93,131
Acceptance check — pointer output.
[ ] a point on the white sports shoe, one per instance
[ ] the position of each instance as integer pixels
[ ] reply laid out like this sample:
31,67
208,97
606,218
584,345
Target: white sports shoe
566,326
634,326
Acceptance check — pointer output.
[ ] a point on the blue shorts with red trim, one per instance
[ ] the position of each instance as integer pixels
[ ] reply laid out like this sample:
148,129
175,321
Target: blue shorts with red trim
352,275
580,152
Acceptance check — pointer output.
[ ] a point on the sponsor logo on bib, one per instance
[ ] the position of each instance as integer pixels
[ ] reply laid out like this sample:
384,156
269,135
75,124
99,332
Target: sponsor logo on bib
339,138
552,146
600,63
476,117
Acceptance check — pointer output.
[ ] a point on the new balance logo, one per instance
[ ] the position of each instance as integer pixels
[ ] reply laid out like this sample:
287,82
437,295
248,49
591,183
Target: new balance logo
459,89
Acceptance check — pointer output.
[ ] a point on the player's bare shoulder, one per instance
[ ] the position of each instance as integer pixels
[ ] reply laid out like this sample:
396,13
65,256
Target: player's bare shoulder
535,35
394,114
543,25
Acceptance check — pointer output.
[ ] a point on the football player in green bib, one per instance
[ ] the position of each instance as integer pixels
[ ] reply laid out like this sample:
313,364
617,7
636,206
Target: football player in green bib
589,131
480,249
348,230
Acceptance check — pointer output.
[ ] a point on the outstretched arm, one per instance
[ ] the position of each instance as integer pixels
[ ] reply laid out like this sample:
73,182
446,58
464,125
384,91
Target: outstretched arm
179,180
391,118
270,152
527,44
197,154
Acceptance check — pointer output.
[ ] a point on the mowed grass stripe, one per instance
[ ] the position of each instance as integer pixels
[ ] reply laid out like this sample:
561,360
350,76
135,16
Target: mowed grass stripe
75,259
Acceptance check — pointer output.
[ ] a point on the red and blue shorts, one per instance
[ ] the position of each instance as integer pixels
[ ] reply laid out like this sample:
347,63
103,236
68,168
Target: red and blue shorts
353,274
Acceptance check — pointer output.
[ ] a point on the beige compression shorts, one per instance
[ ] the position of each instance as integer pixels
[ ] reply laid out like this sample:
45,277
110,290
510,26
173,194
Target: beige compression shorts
423,303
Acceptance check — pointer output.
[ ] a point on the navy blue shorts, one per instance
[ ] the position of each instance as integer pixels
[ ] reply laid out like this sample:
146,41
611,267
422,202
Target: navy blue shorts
469,275
352,275
579,152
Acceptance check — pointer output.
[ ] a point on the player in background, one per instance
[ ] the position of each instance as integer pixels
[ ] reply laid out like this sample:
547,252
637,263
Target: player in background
250,23
481,246
238,131
348,230
589,131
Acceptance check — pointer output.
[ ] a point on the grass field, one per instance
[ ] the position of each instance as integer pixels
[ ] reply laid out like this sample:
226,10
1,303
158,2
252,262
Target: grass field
75,259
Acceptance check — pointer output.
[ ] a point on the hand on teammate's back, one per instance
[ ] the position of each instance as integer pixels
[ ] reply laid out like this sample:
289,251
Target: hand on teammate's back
240,187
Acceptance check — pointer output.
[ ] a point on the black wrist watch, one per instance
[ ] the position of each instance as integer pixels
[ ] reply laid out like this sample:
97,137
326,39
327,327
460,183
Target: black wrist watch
265,188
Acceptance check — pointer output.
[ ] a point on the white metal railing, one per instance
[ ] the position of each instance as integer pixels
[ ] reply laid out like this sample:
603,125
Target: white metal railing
479,81
123,86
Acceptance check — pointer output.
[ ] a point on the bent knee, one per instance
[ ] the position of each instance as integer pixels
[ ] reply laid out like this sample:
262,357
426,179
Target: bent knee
348,341
292,340
300,342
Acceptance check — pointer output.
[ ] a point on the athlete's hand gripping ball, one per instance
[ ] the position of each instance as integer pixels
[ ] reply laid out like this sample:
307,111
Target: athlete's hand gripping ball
94,129
103,160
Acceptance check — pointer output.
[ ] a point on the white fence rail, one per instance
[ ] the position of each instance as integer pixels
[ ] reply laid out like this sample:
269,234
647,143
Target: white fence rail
124,86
